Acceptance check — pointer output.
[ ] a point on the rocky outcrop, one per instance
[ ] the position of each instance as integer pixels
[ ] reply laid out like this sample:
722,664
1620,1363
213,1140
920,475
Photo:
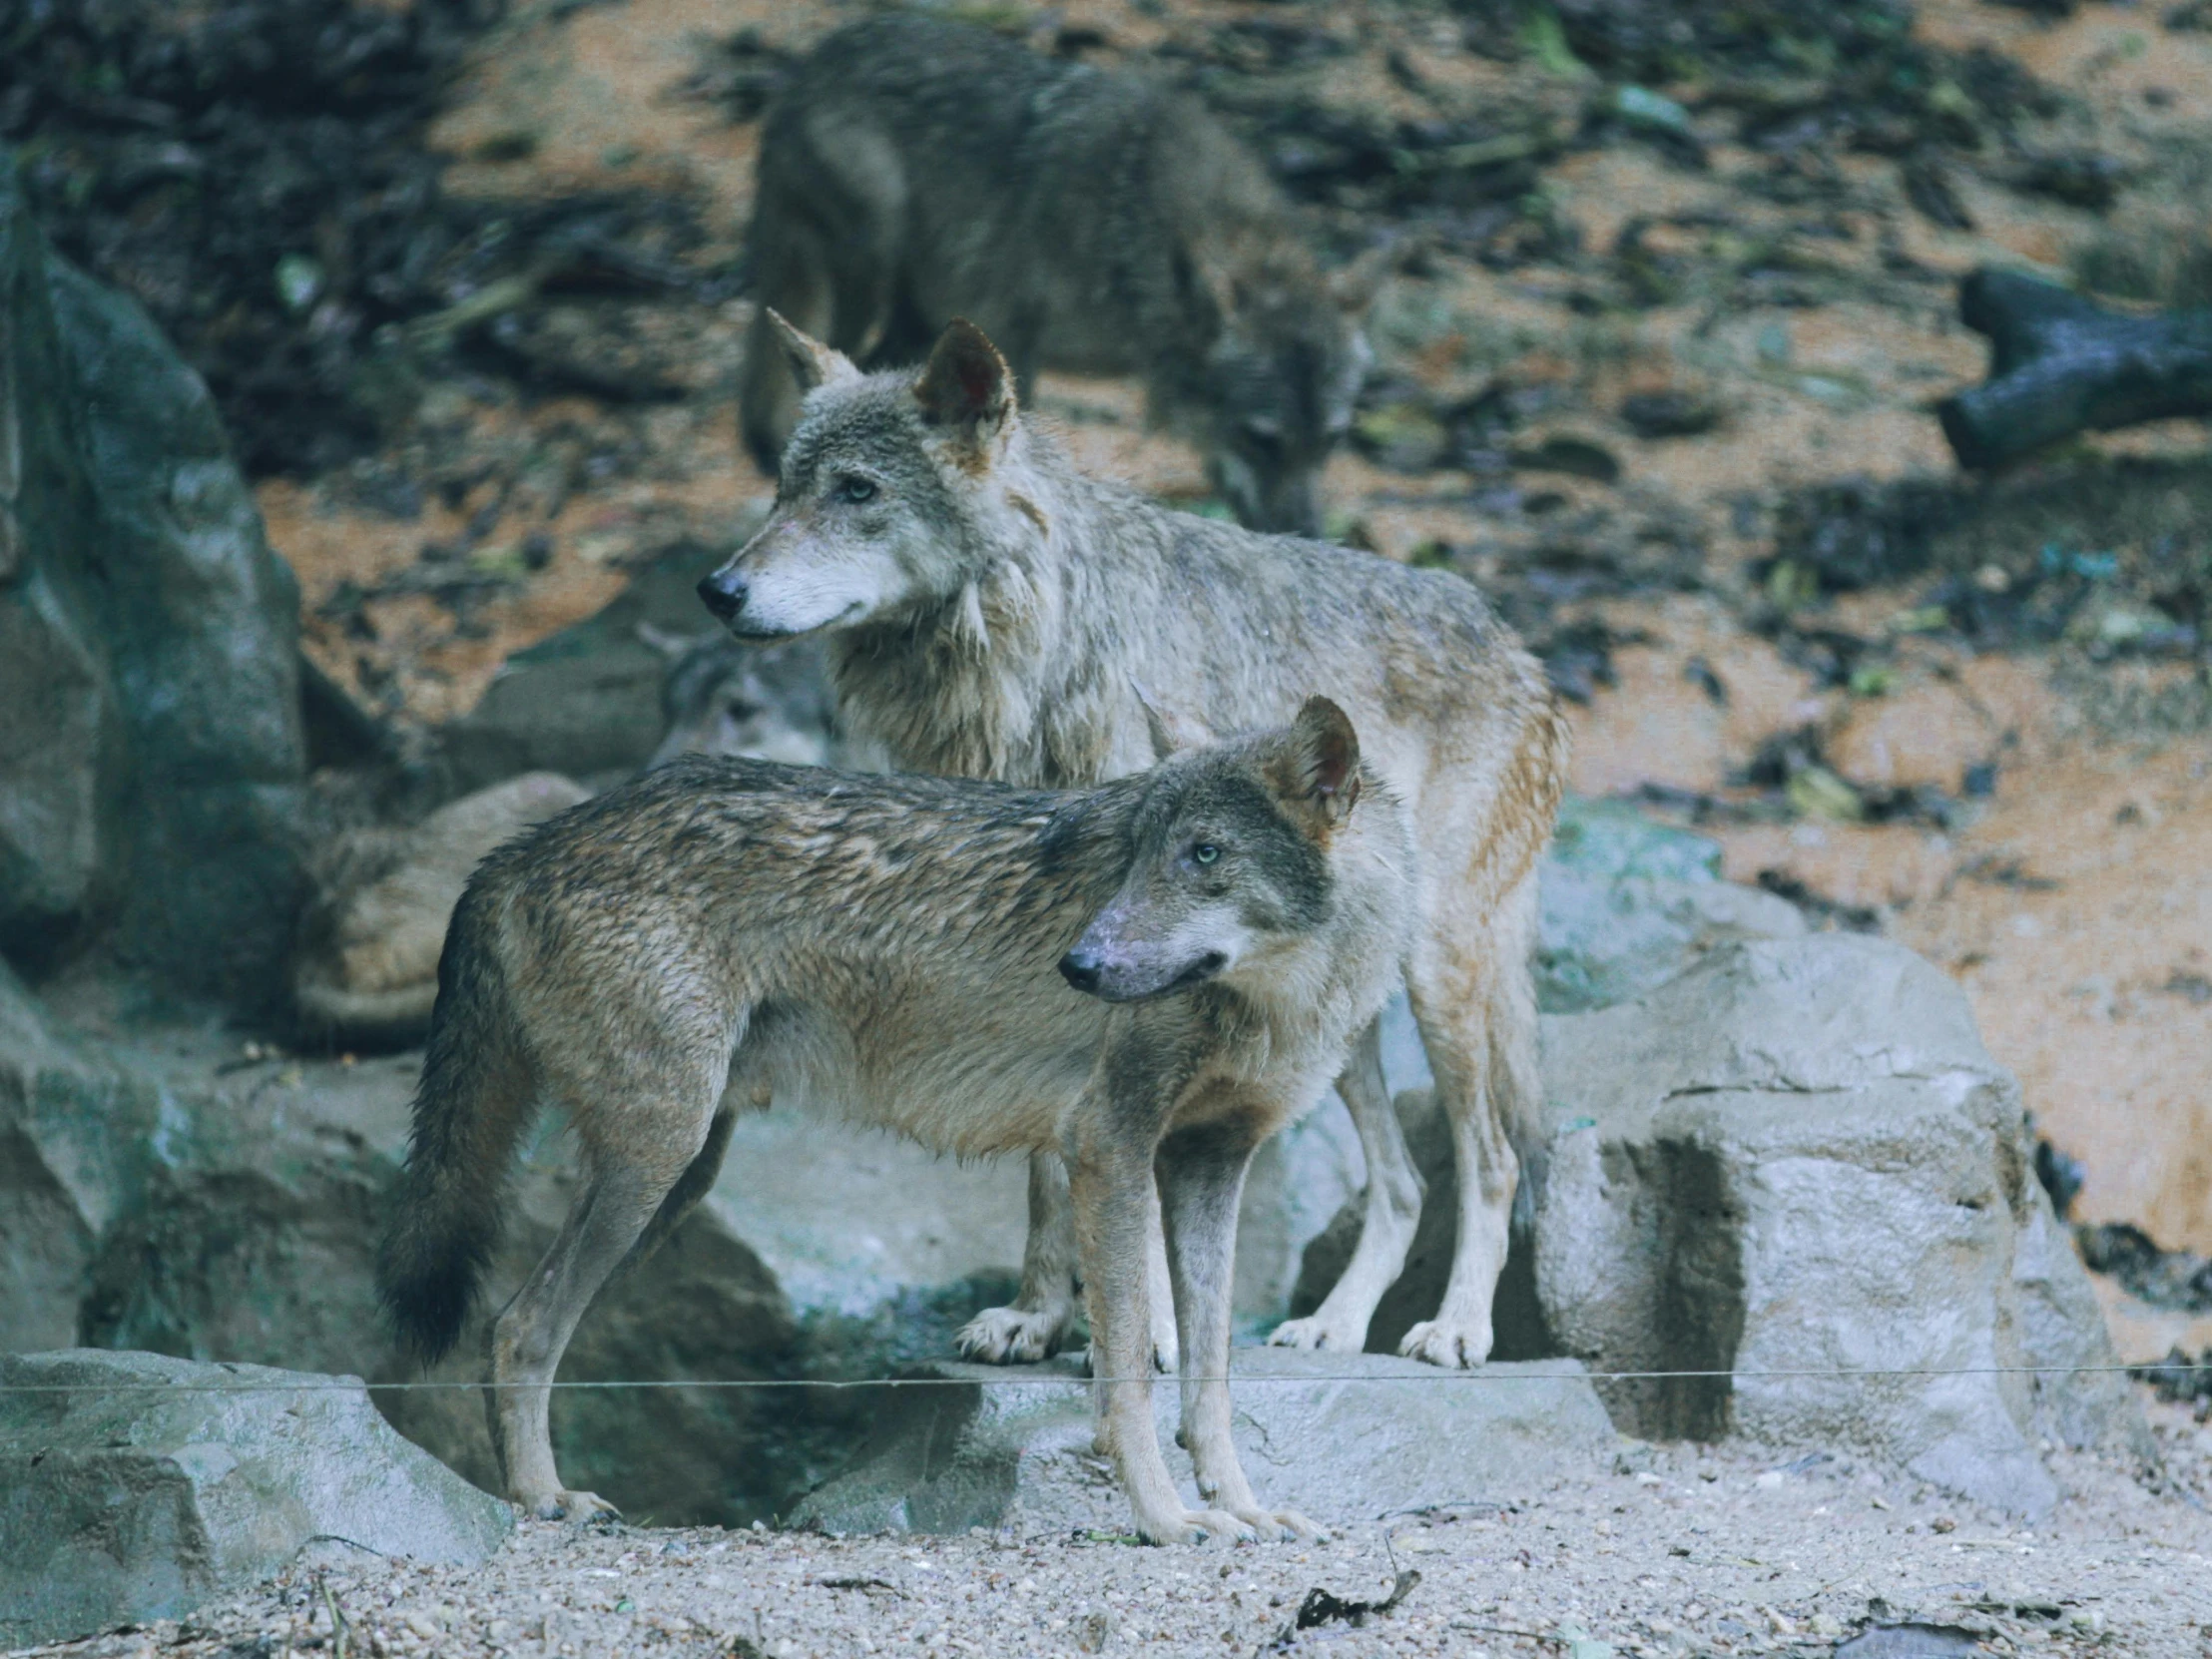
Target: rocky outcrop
151,757
1797,1158
988,1446
135,1488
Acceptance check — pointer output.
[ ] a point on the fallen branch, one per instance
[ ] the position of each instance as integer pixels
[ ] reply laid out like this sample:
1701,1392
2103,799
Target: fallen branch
2061,365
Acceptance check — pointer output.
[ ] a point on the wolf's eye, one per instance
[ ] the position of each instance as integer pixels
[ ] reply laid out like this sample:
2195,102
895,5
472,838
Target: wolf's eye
1204,853
854,491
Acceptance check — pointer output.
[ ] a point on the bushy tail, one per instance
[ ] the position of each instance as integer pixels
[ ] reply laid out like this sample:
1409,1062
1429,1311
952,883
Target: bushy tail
470,1109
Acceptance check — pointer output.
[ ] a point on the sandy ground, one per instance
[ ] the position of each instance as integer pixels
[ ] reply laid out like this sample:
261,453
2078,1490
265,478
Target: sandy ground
1674,1551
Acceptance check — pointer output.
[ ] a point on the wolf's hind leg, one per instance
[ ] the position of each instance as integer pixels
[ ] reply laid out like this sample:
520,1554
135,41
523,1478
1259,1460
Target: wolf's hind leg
1392,1210
1476,1003
625,1187
1036,1323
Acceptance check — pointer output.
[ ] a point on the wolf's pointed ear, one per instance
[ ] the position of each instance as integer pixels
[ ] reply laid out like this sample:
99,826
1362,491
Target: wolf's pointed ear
1355,287
812,363
966,386
1170,734
1316,771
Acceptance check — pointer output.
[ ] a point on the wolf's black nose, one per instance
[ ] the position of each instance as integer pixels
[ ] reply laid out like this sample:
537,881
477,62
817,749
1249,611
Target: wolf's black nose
1080,969
724,594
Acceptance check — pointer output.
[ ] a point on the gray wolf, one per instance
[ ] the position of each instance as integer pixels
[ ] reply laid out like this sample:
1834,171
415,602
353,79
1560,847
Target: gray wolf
990,612
765,703
915,168
1148,978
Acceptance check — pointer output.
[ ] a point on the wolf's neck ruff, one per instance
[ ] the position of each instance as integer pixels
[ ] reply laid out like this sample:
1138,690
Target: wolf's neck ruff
1023,674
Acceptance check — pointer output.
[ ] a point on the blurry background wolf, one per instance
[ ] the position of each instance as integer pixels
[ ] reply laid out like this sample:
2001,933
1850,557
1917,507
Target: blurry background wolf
915,170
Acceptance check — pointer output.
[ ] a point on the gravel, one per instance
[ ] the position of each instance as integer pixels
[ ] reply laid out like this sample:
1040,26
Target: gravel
1674,1551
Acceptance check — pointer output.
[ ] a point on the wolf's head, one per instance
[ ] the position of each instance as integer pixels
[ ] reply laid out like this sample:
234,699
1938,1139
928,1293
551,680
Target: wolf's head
1229,860
892,490
1278,389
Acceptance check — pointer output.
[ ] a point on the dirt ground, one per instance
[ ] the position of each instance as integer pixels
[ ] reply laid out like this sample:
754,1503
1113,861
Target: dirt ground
1674,1551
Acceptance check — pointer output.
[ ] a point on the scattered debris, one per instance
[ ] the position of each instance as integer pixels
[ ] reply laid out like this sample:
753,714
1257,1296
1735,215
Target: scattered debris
1323,1607
2176,1279
1822,912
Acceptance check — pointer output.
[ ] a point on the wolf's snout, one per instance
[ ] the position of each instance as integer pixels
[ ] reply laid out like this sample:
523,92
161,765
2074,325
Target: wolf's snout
723,593
1082,969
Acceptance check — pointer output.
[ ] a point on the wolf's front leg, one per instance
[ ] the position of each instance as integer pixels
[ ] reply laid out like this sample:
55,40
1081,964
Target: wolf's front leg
1035,1326
1108,1179
1201,1178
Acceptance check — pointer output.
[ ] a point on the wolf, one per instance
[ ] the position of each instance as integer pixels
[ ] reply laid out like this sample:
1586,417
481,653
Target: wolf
759,702
1148,978
915,167
990,612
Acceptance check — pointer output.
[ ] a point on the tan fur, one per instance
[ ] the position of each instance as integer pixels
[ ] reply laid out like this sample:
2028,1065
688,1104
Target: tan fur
720,931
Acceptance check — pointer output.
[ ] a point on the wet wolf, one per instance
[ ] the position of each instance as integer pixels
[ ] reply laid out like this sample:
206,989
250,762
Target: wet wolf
915,168
1149,977
990,612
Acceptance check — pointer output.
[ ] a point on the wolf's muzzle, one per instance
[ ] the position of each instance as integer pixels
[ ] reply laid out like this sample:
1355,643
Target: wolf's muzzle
724,594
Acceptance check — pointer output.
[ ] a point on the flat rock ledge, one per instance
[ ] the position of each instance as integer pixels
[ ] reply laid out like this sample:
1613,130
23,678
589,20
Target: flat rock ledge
136,1495
1342,1438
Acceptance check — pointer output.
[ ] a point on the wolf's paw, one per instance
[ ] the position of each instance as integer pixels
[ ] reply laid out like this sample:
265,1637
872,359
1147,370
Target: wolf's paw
1274,1524
1167,1352
584,1508
1455,1347
1318,1333
1197,1527
1010,1336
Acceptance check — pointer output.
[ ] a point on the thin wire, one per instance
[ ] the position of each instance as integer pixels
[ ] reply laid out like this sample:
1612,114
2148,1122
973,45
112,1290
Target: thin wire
1426,1375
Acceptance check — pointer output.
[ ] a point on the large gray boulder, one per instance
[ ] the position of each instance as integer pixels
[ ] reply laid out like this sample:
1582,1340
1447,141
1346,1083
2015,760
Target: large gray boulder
1342,1438
142,1487
152,754
1797,1158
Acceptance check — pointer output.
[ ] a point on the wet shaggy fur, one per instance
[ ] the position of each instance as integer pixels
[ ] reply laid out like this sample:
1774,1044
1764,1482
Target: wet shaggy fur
903,951
917,169
990,612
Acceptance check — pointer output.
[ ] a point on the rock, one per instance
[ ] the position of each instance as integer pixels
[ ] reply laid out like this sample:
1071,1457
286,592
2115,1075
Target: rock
1799,1157
587,701
127,1499
366,969
988,1446
152,754
1628,903
76,1136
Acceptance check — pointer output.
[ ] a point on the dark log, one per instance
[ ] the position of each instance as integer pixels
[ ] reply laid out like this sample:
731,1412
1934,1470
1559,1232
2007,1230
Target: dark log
2061,365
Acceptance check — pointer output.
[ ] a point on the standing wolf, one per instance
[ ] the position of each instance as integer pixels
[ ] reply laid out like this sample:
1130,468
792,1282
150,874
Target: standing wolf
914,169
992,613
720,932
